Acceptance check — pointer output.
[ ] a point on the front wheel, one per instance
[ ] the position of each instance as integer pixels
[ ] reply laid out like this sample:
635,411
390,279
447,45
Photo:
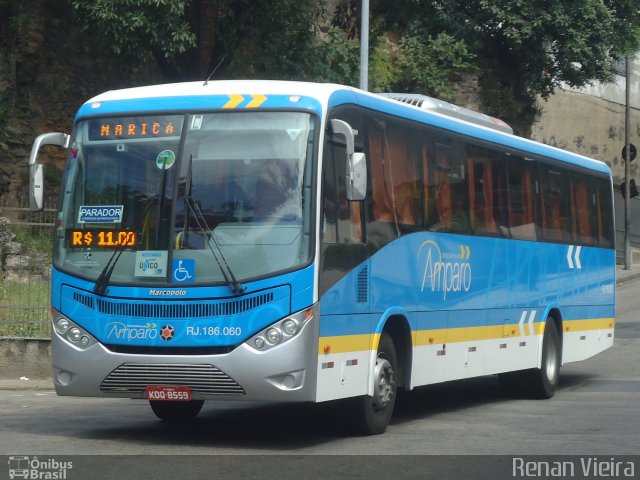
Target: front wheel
176,411
373,414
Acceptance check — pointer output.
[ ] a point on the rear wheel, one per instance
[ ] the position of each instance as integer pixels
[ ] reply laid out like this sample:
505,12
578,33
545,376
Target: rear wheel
544,380
538,382
373,414
176,411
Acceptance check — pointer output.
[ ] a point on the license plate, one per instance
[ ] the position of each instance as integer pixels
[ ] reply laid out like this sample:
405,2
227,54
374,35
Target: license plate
168,393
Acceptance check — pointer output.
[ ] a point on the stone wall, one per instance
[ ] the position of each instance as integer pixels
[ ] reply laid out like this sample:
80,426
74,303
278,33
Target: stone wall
591,121
25,358
16,263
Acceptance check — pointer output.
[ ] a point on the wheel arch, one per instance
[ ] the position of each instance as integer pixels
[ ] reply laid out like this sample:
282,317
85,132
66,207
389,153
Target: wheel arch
397,326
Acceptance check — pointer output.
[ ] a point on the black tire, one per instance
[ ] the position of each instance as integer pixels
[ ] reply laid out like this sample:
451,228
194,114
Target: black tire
373,414
176,411
543,381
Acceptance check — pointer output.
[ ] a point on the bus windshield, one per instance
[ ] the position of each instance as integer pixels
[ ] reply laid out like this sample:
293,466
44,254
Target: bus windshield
175,198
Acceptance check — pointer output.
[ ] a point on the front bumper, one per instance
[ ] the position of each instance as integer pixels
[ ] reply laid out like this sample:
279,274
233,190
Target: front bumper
285,373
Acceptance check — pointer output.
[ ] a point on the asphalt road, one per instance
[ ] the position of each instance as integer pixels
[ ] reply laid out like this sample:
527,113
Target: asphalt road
596,412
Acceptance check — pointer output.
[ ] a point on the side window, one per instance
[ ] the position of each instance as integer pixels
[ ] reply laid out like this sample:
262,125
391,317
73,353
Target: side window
329,200
487,192
584,206
342,220
448,187
405,193
395,203
604,213
555,215
521,195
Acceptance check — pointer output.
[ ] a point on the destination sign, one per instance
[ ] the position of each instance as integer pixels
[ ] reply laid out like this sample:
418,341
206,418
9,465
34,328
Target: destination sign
135,127
101,238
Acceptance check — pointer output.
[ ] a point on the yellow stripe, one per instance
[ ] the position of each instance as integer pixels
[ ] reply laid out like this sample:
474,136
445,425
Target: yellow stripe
348,343
591,324
234,100
257,101
356,343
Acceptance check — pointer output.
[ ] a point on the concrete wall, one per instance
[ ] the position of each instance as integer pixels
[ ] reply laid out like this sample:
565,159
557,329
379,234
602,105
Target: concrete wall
25,357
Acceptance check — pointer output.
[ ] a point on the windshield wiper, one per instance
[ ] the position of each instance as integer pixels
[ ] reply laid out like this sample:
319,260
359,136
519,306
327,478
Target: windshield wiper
201,221
103,279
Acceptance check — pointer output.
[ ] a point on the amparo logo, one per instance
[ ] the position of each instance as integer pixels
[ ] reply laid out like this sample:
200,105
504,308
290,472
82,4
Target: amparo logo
448,272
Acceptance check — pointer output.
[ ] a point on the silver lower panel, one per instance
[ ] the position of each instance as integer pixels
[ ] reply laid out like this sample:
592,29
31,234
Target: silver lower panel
286,373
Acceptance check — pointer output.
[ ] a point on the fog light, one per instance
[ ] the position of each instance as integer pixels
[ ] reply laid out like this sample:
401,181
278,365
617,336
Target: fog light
62,326
273,336
290,327
84,341
258,342
74,334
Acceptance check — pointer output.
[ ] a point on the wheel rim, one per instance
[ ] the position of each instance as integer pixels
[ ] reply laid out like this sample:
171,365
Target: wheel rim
384,384
552,362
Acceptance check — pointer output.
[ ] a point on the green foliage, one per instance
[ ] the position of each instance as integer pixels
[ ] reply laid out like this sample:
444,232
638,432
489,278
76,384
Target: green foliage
335,60
34,239
138,28
431,65
520,48
269,39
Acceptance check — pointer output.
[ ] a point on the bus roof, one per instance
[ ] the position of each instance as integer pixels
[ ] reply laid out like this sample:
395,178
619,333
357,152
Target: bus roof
328,95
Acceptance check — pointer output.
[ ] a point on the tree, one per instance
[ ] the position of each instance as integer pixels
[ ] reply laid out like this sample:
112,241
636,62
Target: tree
525,48
189,38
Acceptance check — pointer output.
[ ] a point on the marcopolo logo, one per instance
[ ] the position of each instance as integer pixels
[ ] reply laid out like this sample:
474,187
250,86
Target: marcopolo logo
444,272
35,468
100,214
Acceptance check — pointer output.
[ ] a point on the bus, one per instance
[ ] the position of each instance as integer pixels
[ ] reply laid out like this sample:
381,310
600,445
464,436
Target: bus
298,242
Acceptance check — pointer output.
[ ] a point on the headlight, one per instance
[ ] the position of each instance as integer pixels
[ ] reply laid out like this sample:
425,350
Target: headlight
282,330
74,334
290,327
71,332
62,325
273,336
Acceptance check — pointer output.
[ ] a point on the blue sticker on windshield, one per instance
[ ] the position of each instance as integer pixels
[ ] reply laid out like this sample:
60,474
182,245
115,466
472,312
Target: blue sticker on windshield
100,214
184,270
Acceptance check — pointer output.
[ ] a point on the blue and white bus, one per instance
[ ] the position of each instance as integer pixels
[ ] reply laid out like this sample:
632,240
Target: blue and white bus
298,242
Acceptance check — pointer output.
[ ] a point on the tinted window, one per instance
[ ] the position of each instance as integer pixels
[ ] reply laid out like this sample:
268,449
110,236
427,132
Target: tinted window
521,195
556,219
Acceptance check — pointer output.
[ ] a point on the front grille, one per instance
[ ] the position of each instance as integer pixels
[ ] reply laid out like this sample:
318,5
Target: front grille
144,350
135,377
184,309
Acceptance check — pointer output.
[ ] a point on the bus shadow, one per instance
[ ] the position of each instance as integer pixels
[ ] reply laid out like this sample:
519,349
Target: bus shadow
235,427
431,400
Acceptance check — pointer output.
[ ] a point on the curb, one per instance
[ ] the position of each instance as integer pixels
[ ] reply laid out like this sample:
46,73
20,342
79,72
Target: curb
35,385
627,278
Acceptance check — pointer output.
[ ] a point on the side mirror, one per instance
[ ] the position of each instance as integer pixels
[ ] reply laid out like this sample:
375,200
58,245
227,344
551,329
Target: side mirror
36,170
356,168
36,187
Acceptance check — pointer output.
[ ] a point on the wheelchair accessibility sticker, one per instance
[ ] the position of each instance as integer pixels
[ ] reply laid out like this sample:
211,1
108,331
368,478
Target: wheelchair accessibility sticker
184,270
